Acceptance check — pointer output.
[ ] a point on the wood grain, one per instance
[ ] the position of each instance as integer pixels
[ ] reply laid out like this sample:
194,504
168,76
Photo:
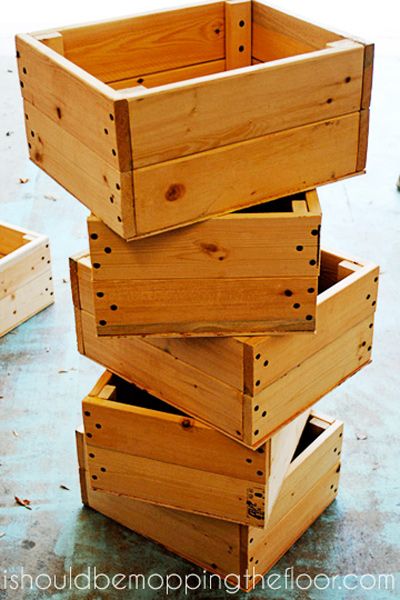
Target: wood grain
190,117
264,168
168,39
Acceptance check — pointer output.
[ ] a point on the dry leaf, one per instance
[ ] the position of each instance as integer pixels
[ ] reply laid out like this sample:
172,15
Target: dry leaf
64,487
25,503
23,180
361,436
62,371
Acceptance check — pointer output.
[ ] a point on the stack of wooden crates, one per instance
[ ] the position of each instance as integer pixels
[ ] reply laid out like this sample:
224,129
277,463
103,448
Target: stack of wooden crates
197,137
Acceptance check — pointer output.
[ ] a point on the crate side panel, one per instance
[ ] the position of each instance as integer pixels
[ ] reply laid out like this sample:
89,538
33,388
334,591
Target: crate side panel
264,168
238,245
178,487
204,306
79,169
197,116
346,303
276,34
71,98
138,45
169,438
309,381
280,539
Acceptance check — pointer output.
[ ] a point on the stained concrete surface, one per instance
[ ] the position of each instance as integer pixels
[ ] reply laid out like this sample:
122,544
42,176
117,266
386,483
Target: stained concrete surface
40,406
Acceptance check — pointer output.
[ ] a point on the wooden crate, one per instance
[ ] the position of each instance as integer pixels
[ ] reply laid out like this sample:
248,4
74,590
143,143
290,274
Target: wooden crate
143,448
310,485
249,272
165,119
246,387
26,285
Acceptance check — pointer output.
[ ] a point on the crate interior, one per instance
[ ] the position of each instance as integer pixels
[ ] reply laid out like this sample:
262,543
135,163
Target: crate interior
280,205
175,45
11,240
329,271
312,430
130,394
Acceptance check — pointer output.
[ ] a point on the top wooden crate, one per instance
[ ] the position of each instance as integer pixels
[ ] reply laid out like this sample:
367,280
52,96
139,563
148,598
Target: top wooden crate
165,119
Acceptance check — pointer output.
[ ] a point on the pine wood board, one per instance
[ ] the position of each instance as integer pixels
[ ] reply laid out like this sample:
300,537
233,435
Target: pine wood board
121,48
195,116
260,169
238,245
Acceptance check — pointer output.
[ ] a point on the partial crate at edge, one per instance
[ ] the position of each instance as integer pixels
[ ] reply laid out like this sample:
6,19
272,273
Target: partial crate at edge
143,448
26,285
246,387
251,272
310,485
165,119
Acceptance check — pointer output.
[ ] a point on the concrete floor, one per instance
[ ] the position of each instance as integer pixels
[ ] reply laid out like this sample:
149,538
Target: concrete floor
40,406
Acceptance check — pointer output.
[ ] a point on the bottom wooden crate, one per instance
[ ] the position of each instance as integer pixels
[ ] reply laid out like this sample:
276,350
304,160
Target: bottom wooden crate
237,551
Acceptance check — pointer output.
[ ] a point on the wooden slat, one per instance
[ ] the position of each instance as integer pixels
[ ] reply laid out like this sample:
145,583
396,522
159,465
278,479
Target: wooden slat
187,306
313,378
98,185
156,482
189,117
369,51
237,33
363,140
267,167
345,303
256,244
78,102
171,76
174,439
277,34
121,48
